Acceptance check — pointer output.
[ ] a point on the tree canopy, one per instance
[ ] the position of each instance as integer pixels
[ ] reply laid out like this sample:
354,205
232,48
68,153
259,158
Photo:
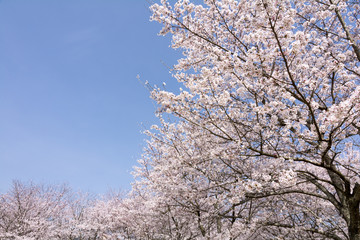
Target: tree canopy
265,144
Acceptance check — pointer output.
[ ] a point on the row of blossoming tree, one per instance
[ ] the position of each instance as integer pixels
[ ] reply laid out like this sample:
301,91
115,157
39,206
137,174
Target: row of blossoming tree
263,140
40,212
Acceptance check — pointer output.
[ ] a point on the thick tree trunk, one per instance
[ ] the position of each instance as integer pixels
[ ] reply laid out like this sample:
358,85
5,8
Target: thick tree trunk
354,225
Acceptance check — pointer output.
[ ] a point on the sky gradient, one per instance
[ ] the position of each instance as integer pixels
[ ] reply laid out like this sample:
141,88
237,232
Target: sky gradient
71,107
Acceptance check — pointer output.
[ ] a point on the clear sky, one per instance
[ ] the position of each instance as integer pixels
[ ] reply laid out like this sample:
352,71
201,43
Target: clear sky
71,108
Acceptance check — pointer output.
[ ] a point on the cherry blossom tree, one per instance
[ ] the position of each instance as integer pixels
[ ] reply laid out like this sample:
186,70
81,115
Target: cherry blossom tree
29,211
103,219
263,140
39,212
73,224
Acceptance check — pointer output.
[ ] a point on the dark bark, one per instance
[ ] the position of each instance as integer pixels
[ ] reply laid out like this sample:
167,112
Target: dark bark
354,225
354,214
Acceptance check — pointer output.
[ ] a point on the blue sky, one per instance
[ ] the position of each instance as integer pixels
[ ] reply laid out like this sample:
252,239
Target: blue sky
71,108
